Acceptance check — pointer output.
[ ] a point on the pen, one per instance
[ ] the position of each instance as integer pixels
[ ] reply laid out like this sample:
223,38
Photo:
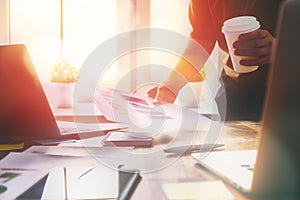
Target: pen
86,172
191,148
66,184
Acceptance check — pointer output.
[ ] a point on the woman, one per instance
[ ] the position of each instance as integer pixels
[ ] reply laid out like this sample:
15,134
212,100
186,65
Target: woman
244,93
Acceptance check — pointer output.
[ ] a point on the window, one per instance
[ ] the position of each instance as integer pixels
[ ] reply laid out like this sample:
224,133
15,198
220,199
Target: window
87,23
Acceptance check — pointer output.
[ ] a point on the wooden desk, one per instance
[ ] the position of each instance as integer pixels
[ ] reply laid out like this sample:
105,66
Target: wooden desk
235,135
238,135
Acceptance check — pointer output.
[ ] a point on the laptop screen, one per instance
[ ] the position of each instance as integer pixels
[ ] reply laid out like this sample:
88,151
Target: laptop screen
278,162
24,109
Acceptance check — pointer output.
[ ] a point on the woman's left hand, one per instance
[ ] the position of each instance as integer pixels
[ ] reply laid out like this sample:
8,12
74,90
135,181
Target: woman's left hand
257,44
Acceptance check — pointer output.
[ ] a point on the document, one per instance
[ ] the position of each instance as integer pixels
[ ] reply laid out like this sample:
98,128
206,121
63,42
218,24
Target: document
81,183
208,190
140,114
14,182
28,161
101,152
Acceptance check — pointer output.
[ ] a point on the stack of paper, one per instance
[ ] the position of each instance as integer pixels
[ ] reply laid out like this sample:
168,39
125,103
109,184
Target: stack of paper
20,170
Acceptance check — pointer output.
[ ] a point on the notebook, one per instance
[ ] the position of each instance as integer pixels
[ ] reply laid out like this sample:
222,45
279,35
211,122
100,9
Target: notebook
272,170
25,113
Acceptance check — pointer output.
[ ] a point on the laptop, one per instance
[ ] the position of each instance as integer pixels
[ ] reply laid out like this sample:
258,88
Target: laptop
273,171
25,113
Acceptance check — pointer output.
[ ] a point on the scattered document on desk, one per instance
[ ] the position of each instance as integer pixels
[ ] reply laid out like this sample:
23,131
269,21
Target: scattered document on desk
14,182
208,190
139,112
36,161
76,183
87,142
107,152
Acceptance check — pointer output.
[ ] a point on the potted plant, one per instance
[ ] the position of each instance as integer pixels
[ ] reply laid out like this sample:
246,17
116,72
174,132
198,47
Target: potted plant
63,77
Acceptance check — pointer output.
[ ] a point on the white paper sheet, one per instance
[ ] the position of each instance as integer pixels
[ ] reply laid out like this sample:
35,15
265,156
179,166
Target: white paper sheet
107,152
139,113
18,160
81,183
14,182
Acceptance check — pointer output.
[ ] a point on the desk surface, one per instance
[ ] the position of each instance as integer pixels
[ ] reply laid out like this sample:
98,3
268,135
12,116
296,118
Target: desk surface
238,135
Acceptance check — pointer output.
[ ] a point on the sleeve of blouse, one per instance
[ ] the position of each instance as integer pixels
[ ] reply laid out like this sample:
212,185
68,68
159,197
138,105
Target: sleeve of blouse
201,21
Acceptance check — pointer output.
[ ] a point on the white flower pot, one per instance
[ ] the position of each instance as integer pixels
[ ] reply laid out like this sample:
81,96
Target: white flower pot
62,94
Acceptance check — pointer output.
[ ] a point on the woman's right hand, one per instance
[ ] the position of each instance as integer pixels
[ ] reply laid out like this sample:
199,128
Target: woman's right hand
161,94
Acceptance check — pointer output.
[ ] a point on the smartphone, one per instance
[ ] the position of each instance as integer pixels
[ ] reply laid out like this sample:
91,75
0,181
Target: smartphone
122,138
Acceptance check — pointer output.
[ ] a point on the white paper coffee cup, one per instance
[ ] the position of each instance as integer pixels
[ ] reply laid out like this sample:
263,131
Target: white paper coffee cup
232,28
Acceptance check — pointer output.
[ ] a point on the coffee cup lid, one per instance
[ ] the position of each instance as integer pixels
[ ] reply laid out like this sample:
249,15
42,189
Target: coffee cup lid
241,23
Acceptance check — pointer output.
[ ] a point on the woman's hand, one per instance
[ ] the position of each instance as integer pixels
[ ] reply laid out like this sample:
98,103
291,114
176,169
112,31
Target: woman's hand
161,94
258,44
